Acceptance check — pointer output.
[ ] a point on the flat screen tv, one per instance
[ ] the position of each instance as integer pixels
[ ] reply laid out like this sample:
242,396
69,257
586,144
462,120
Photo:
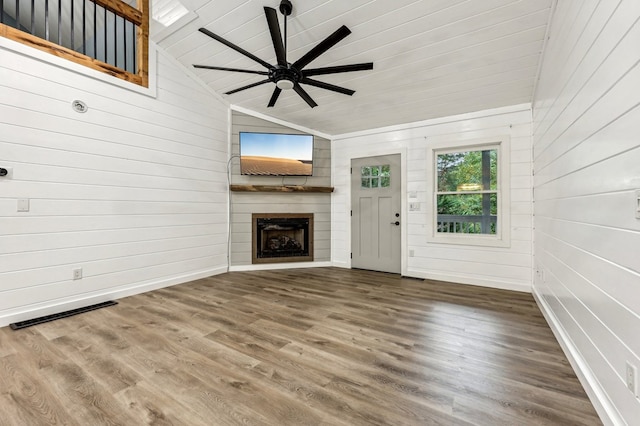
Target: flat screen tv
276,154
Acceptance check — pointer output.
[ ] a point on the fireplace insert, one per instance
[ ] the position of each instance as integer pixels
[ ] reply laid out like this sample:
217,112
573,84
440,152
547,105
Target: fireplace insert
282,237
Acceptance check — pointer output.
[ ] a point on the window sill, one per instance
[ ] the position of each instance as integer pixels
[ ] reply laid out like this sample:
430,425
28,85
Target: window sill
469,240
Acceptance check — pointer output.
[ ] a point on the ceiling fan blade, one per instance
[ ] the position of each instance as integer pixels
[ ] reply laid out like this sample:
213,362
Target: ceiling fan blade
276,35
322,47
274,97
236,48
304,95
340,68
323,85
249,86
209,67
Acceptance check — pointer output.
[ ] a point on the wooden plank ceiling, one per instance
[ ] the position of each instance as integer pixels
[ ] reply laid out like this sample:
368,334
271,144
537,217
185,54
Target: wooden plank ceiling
432,58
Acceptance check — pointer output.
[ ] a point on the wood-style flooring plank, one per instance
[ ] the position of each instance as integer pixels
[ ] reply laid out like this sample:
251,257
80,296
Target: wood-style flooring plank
320,346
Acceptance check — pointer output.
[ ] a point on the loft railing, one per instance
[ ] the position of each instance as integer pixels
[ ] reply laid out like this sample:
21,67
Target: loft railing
466,224
110,36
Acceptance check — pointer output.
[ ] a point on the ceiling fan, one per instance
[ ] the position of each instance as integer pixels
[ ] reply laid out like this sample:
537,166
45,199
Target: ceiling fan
287,75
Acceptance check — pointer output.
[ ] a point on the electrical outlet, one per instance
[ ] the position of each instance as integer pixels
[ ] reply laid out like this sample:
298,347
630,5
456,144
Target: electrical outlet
6,172
632,378
411,253
77,274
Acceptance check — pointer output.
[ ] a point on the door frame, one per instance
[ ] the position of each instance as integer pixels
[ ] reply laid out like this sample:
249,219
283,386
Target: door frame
403,198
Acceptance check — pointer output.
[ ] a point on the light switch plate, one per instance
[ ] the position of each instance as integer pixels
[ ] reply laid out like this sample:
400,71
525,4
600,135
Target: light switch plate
638,204
23,205
414,207
632,378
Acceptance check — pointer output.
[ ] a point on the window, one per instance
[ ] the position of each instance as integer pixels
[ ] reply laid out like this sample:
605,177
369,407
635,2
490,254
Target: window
470,193
375,176
110,36
467,191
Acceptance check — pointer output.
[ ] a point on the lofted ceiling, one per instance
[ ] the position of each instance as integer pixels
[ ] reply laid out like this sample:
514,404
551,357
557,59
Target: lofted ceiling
432,58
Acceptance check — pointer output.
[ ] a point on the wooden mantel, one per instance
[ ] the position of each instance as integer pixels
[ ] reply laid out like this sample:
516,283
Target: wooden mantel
280,188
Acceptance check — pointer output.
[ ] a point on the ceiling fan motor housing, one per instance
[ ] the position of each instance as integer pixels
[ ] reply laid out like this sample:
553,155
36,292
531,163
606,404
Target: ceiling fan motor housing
280,73
286,7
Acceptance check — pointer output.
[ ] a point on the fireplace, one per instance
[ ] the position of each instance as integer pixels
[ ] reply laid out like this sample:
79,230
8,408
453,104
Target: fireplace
282,237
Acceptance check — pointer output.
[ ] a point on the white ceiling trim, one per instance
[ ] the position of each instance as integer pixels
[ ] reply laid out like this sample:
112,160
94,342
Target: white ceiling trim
437,121
279,121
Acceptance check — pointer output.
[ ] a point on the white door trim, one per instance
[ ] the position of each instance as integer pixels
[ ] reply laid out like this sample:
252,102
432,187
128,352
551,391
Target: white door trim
403,199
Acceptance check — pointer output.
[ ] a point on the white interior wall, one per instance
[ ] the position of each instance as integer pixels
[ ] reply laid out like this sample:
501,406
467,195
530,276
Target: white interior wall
500,267
587,172
132,191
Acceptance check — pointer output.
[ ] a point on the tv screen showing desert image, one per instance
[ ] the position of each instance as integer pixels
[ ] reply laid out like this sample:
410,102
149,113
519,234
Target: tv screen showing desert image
275,154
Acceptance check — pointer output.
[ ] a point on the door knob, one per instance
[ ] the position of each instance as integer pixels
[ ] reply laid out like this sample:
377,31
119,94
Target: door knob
396,223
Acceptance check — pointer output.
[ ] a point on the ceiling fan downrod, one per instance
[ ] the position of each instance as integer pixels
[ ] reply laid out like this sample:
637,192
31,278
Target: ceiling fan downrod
285,8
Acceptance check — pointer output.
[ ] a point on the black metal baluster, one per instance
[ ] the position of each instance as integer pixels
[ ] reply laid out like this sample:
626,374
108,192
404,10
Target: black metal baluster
115,40
73,41
1,11
46,20
33,18
124,32
134,44
18,14
106,36
95,31
60,22
84,27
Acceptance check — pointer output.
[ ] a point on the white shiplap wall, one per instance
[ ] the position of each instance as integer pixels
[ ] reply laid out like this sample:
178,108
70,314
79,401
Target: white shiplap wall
132,191
587,171
508,267
243,204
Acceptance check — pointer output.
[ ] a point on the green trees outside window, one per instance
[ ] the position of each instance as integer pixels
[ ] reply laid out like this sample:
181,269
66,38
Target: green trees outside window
467,191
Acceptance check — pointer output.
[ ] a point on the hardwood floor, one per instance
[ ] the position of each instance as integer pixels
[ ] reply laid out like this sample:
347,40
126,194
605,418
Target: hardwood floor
318,346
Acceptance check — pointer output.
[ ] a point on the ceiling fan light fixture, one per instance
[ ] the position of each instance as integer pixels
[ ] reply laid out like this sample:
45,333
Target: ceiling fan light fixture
284,84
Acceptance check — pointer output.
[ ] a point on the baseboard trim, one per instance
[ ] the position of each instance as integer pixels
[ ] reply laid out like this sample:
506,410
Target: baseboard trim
607,412
272,266
75,302
459,279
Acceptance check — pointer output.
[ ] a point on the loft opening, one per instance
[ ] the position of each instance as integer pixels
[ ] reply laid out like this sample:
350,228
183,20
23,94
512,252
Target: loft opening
110,36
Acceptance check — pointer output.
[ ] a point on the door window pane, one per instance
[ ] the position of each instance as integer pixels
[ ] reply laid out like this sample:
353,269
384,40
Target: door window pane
376,176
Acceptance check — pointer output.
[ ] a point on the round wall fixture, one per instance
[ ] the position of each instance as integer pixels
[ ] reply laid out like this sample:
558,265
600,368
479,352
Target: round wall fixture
79,106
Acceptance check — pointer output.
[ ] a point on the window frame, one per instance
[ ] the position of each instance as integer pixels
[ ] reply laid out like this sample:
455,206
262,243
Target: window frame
503,232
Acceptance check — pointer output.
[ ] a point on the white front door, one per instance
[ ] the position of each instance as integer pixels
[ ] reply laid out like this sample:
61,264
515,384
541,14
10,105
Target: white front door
375,213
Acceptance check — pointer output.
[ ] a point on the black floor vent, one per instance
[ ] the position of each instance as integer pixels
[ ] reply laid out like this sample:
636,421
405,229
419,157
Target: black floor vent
53,317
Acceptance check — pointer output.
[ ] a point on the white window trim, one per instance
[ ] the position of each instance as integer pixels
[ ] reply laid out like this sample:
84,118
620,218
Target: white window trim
503,236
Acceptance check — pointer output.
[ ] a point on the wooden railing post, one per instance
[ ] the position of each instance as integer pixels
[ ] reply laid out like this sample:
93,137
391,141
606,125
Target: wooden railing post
143,43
